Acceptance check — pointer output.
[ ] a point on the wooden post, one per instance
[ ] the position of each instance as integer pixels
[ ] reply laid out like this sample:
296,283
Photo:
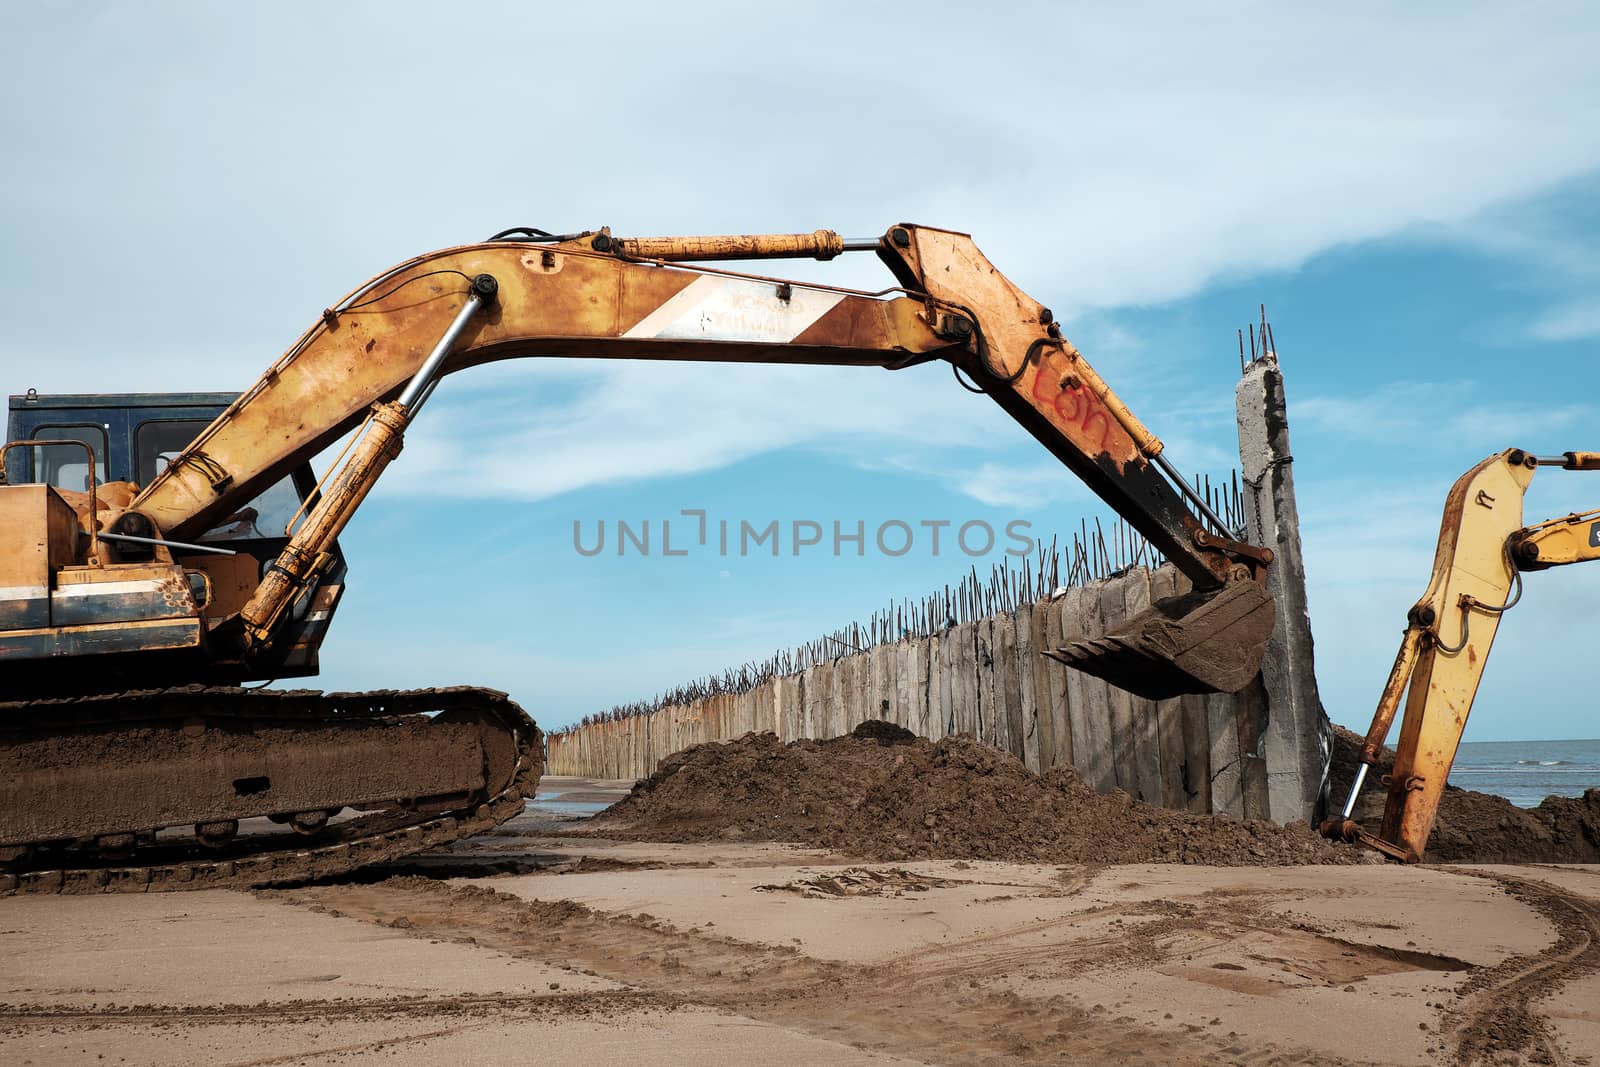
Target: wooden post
1008,683
1119,702
1149,772
1028,700
840,696
660,737
1043,681
1178,778
949,684
785,705
1057,674
1227,781
879,690
859,678
911,684
1250,712
817,691
965,680
983,664
1087,696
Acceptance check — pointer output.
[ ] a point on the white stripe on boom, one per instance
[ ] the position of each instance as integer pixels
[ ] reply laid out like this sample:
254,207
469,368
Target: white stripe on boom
711,308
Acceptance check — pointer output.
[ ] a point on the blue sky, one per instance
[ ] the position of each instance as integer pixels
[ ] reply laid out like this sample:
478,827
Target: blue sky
1412,195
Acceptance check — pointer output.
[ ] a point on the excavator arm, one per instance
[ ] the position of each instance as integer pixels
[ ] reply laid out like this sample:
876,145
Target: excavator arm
112,597
1483,550
375,357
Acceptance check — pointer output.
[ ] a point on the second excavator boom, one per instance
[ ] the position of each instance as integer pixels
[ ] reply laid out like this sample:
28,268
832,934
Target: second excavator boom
1477,577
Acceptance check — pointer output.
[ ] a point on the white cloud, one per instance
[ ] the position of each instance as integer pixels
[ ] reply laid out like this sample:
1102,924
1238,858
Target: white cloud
215,197
534,431
1029,485
1568,322
1548,241
1451,412
621,422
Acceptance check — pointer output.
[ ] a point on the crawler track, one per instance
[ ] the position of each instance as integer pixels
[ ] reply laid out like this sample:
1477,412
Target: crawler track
268,858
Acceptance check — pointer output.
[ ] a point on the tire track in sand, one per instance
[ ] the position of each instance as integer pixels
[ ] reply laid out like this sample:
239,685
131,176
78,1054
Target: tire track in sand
1496,1016
916,1009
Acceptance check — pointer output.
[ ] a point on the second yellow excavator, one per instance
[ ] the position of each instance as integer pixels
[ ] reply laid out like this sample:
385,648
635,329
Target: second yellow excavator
1477,577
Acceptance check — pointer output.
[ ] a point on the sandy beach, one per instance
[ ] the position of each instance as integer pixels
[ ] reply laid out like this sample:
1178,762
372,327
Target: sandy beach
531,945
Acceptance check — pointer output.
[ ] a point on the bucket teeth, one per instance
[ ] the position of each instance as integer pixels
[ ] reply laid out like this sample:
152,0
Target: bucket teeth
1201,642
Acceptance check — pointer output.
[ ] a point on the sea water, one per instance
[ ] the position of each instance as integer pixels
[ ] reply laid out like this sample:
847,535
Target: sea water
1525,772
550,802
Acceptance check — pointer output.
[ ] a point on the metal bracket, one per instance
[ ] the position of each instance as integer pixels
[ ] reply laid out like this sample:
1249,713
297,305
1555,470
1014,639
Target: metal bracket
1206,539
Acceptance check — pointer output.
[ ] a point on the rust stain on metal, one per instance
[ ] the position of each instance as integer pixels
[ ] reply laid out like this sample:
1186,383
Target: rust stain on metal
821,244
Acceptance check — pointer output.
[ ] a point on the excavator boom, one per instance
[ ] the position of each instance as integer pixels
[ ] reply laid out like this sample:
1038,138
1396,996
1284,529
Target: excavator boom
378,354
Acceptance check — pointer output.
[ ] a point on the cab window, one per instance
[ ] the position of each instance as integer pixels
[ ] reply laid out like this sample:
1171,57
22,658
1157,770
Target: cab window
67,466
158,442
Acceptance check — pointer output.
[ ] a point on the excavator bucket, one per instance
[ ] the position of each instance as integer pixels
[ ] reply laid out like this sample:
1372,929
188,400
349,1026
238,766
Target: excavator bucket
1207,641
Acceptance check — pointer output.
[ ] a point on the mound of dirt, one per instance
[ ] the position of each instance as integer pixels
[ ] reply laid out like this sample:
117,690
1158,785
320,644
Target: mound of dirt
1479,827
883,732
883,796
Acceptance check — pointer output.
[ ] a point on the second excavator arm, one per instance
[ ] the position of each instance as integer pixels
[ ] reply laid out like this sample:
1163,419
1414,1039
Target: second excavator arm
376,356
1477,577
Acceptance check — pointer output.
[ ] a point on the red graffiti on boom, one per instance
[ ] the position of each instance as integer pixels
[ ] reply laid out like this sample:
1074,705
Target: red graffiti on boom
1076,407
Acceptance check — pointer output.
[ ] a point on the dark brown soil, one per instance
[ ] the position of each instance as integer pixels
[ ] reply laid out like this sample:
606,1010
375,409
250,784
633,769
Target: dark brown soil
1480,827
883,794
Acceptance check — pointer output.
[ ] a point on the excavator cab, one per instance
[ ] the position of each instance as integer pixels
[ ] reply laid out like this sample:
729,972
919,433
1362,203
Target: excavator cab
125,639
131,437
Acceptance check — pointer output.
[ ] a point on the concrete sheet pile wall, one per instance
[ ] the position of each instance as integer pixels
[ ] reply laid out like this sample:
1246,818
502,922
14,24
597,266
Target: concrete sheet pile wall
1261,753
987,679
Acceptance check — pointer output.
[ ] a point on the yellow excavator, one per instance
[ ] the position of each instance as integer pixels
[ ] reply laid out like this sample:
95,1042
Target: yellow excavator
1477,577
133,609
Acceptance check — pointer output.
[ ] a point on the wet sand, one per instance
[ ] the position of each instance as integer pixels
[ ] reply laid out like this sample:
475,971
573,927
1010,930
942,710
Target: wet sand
525,946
